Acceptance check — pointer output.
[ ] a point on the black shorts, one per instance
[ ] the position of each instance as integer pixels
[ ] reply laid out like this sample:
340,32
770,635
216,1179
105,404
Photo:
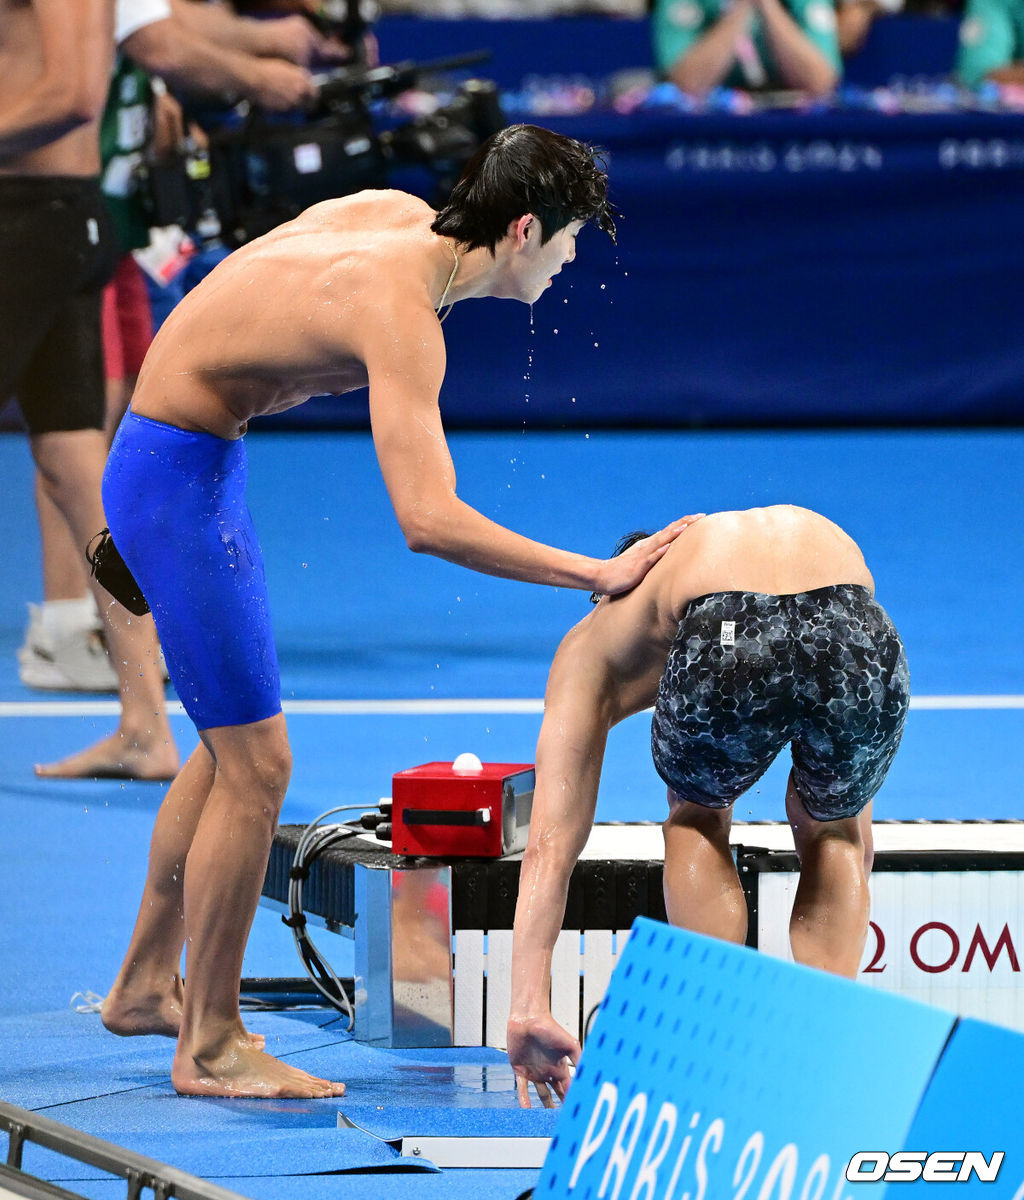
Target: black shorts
748,673
58,249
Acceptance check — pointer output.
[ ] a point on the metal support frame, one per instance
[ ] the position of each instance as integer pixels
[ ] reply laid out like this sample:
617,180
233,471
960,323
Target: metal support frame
403,975
138,1171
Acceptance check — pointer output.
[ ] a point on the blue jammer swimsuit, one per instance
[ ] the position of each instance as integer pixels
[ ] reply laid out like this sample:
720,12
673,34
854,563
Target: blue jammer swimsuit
175,504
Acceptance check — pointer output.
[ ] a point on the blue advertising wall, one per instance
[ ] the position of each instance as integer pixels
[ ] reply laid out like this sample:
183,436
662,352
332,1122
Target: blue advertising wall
785,268
597,46
852,264
714,1071
837,268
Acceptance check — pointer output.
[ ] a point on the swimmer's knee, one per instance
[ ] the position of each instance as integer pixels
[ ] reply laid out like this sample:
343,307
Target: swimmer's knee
824,842
271,768
260,784
712,822
256,759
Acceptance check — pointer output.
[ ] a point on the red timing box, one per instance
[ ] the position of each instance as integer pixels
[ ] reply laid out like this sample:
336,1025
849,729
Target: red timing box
439,811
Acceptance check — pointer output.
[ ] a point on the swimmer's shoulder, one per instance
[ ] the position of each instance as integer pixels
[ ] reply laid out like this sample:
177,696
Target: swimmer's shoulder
792,519
382,210
764,519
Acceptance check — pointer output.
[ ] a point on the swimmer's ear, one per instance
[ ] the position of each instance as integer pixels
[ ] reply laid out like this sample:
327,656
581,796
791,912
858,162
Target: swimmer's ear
521,229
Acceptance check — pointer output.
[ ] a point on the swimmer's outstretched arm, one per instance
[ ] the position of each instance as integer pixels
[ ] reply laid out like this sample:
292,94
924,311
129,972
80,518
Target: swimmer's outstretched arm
607,667
405,375
570,753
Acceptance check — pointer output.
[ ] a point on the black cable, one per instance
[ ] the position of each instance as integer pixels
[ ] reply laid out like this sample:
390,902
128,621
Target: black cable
313,841
589,1021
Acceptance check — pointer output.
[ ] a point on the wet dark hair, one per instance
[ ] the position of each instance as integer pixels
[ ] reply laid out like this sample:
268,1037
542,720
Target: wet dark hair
623,544
525,169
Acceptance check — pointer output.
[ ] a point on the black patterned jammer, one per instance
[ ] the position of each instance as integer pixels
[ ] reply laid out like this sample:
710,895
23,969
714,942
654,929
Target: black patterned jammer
747,673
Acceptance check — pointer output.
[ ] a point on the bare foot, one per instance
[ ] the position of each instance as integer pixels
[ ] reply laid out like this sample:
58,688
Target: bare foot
135,1012
241,1070
135,1015
117,757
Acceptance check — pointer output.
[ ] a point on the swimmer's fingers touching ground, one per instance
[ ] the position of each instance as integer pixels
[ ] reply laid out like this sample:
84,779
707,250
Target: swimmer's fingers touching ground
542,1053
546,1092
627,569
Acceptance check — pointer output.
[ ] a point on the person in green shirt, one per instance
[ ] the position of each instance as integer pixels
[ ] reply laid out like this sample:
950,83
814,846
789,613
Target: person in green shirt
751,44
991,42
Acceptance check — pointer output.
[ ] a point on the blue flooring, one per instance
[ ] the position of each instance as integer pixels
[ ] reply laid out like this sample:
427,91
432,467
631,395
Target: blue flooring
359,618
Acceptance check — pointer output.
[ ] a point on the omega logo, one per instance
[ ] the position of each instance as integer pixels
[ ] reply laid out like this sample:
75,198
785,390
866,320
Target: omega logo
941,951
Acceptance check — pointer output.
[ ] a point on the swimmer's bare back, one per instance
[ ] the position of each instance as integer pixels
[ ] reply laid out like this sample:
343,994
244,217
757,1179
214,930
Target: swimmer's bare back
779,550
295,313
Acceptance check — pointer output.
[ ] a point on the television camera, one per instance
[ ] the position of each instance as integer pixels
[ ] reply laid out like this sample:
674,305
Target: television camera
261,170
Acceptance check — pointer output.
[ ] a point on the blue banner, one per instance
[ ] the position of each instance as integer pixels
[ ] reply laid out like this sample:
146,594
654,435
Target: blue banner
973,1104
785,268
713,1071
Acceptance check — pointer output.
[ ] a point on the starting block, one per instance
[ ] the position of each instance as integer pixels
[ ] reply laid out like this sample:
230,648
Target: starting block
433,938
443,811
433,933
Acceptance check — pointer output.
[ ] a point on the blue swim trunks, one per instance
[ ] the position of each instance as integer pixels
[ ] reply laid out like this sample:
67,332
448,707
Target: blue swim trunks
175,504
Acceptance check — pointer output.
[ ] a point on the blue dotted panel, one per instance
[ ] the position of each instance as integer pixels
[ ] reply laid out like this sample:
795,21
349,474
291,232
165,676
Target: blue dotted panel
713,1070
974,1103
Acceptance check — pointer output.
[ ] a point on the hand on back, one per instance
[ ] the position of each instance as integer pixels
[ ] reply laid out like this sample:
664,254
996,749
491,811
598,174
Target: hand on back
626,570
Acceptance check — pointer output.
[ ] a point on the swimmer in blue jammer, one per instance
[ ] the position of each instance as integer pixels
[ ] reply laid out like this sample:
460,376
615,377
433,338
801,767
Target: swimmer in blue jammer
346,296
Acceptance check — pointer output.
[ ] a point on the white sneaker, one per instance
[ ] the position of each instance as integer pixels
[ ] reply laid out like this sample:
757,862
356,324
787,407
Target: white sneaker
73,661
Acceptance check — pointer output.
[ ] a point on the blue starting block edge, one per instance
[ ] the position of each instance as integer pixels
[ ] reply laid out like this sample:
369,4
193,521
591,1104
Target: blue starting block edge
714,1071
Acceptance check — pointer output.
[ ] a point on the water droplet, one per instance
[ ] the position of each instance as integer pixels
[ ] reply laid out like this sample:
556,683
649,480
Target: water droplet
603,286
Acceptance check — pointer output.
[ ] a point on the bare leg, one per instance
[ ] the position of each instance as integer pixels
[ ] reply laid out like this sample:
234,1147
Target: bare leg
65,576
829,923
702,888
71,465
223,879
119,396
147,995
